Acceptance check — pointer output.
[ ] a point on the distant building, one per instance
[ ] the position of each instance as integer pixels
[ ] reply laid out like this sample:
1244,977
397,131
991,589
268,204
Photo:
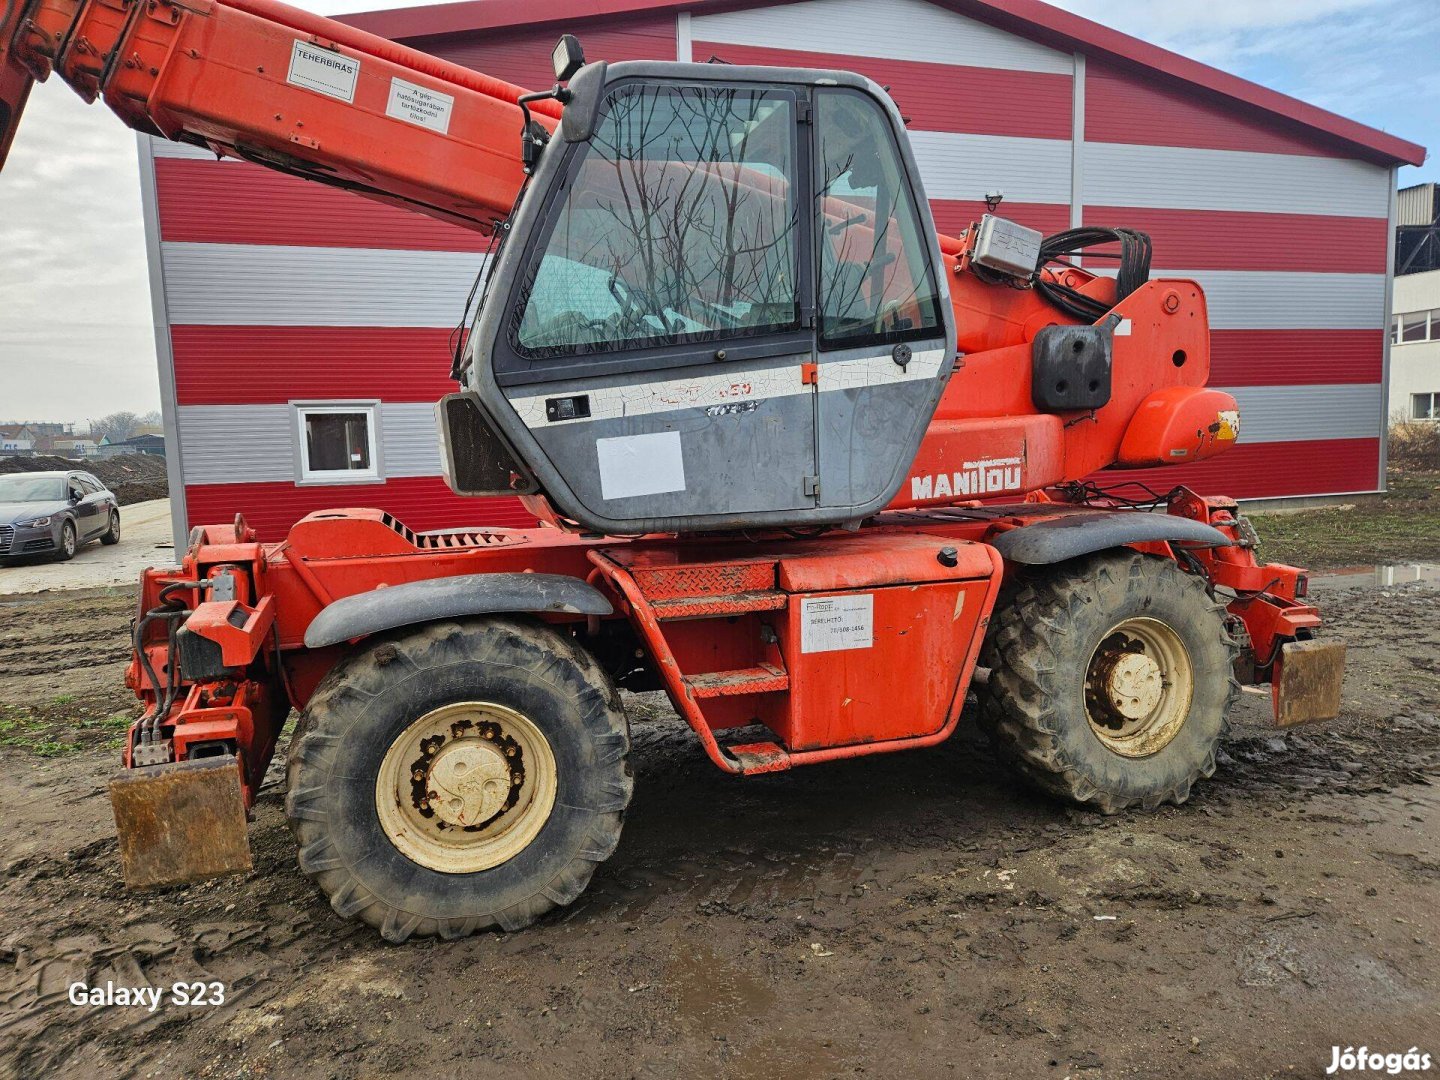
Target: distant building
136,444
17,438
75,446
1415,347
1417,229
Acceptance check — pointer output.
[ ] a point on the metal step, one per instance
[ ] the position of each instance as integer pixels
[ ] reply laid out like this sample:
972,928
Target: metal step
715,607
760,757
764,679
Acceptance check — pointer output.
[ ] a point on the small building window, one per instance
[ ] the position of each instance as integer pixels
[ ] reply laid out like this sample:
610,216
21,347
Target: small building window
1425,406
1414,326
337,443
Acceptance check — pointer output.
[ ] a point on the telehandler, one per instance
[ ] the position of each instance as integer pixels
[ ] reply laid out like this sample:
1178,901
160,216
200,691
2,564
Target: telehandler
820,473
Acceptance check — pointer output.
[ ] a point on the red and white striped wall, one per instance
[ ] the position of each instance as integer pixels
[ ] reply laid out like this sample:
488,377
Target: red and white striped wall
270,290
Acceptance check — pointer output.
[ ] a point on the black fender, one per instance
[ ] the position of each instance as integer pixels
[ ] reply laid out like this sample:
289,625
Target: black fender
446,597
1070,535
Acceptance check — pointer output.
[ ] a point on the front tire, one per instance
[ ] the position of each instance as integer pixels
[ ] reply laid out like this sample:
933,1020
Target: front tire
68,542
457,776
112,534
1111,681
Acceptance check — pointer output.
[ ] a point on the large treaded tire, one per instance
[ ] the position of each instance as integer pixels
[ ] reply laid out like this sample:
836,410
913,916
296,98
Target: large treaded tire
370,698
1042,635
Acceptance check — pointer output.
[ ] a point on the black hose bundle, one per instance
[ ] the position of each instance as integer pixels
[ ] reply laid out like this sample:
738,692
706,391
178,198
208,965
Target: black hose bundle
1134,267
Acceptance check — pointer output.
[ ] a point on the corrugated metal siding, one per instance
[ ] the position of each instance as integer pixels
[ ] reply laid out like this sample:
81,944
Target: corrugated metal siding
522,56
955,166
1187,178
1123,108
255,365
230,443
266,285
240,203
1290,238
412,444
1295,357
1265,300
898,29
1237,240
978,100
1417,205
954,216
1294,413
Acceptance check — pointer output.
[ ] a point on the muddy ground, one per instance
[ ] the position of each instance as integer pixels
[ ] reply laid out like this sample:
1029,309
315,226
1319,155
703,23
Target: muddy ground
919,914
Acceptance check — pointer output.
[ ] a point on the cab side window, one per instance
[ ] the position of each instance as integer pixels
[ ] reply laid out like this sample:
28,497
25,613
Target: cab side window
875,281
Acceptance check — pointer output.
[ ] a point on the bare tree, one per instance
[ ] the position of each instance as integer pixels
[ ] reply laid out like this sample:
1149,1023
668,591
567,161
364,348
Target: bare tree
118,427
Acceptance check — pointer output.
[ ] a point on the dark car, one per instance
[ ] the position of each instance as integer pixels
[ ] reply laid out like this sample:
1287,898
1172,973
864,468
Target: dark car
54,513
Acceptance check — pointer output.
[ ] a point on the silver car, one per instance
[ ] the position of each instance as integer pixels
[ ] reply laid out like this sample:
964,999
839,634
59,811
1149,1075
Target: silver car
54,513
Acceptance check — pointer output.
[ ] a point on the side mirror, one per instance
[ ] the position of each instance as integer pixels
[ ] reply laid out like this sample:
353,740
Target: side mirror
75,495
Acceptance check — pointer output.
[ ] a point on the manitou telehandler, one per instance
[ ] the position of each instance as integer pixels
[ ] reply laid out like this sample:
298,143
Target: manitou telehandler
817,471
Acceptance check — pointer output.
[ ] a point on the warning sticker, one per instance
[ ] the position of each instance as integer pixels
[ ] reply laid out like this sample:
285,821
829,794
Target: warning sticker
323,71
832,623
417,105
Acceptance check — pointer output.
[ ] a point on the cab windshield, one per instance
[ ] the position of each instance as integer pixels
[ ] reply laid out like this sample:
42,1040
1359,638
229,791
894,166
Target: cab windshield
679,225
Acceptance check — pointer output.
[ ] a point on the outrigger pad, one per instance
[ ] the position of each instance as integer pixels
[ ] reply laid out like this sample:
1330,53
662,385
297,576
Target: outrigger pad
1311,673
181,822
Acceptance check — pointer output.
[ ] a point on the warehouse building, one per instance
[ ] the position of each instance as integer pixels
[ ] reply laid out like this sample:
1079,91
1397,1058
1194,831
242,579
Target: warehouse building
303,331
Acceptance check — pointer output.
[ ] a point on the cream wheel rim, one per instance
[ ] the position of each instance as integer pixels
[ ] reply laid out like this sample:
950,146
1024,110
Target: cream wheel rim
1138,687
466,787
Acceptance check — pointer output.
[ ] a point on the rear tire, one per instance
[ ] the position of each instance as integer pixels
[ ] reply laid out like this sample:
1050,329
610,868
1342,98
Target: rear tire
68,542
401,791
1111,680
112,534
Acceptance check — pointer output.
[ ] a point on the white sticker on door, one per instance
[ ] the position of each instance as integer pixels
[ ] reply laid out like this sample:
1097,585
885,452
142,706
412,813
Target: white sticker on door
323,71
632,465
417,105
832,623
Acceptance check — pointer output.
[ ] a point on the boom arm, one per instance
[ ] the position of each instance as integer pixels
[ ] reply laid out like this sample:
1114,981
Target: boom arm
258,80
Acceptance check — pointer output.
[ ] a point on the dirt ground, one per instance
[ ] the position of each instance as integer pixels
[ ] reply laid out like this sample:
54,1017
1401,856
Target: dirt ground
1402,525
146,539
916,914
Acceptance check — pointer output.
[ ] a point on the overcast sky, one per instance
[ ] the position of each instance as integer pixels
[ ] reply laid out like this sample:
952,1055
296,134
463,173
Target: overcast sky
76,339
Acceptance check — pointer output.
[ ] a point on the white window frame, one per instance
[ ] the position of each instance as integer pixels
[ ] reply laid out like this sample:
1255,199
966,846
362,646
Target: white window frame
1434,407
1430,319
305,475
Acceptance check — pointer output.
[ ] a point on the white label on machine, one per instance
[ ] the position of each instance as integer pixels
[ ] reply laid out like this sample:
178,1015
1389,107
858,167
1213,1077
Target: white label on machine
323,71
418,105
632,465
832,623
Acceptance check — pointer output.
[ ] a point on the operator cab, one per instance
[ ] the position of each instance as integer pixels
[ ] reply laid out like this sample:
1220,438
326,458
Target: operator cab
720,303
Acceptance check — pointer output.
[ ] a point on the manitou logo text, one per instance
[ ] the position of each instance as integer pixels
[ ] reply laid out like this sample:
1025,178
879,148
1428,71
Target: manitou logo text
977,478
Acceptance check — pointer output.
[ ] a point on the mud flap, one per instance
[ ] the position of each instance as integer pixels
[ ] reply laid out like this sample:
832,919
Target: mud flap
1307,686
181,822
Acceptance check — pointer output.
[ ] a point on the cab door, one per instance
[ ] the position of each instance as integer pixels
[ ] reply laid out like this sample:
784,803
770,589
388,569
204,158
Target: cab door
881,327
657,342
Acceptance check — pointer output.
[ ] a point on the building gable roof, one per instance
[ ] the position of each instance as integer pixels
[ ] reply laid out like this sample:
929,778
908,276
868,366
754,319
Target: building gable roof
1028,18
